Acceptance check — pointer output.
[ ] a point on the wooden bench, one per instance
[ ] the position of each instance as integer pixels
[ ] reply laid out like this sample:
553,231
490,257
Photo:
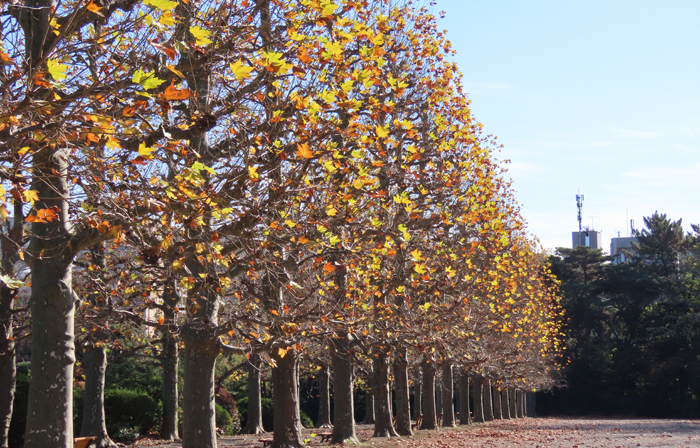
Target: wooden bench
325,436
83,442
266,441
418,421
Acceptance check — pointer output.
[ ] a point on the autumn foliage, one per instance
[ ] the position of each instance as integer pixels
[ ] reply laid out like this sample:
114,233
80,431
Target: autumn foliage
268,176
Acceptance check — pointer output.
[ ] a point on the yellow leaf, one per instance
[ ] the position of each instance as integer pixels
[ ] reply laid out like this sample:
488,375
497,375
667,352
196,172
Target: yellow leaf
331,211
145,152
281,352
200,35
163,5
328,9
419,268
167,19
3,212
56,69
239,70
290,223
253,172
31,196
382,132
177,264
417,255
304,151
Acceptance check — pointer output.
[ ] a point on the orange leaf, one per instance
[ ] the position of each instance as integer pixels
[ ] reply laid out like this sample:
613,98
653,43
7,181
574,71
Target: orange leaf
172,93
304,151
328,268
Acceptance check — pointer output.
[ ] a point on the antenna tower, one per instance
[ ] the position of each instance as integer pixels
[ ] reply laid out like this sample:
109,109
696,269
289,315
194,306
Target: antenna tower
579,205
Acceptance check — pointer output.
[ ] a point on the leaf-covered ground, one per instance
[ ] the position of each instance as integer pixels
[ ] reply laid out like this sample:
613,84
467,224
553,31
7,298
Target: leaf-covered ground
526,433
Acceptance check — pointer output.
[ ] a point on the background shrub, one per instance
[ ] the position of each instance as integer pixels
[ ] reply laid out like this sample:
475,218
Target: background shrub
131,409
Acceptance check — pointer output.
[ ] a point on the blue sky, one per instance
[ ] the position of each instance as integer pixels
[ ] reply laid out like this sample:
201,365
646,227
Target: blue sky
597,96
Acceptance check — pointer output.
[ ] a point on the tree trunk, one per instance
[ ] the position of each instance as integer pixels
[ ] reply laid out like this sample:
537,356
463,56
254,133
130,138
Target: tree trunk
429,415
95,365
417,393
479,399
496,395
465,417
488,402
169,360
448,408
298,386
344,418
50,407
383,426
369,399
403,411
530,404
286,419
254,424
519,404
8,369
505,407
438,395
511,402
198,406
324,395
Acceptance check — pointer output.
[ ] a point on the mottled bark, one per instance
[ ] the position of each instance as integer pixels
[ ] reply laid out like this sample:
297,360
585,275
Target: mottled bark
169,361
8,369
383,426
369,398
417,395
344,418
95,365
488,402
519,404
50,407
511,402
465,417
324,397
530,404
505,406
496,396
287,421
429,412
403,411
448,408
478,385
254,424
438,395
198,406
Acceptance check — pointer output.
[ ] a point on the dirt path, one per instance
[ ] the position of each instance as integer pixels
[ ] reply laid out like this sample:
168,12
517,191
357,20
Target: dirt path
525,433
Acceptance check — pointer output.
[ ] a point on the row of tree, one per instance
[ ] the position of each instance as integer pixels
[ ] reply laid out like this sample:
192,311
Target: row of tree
634,327
271,178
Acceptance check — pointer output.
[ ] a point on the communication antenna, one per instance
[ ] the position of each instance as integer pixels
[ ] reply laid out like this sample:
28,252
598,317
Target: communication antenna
579,205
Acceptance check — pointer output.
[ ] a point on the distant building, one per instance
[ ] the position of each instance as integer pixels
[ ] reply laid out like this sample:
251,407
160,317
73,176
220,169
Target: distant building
621,248
589,238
